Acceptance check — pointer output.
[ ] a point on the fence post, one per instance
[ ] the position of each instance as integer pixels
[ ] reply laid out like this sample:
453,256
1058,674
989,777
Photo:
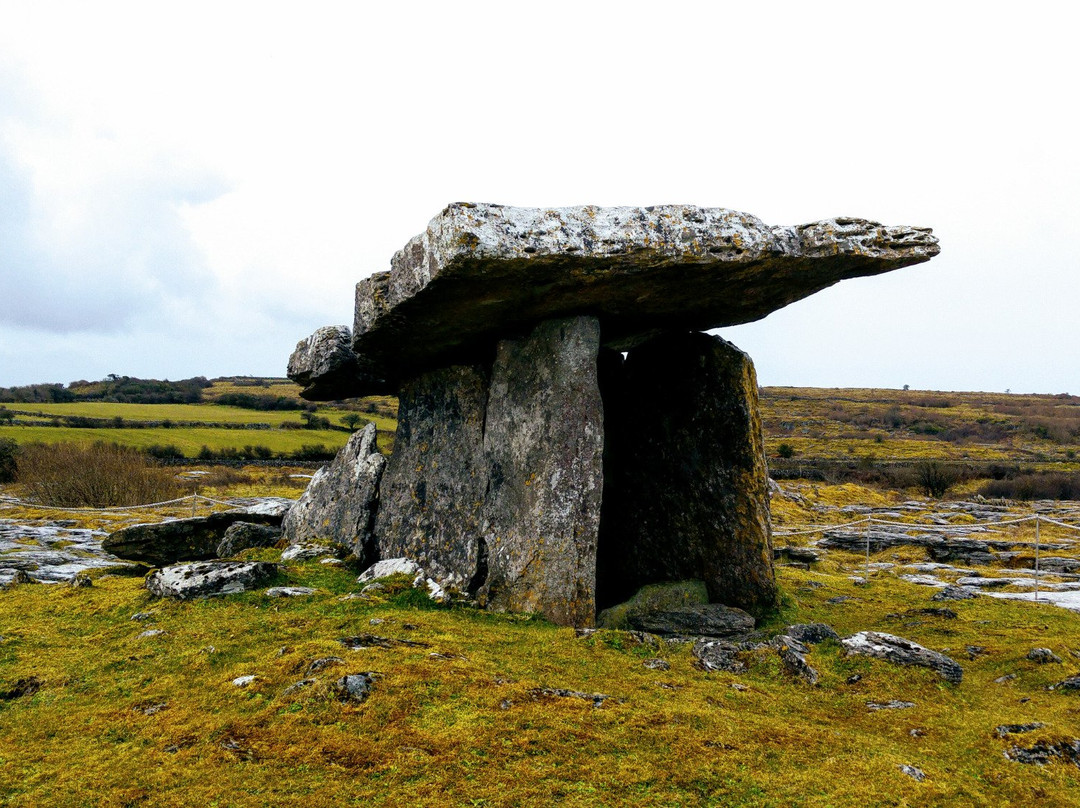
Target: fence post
866,574
1037,520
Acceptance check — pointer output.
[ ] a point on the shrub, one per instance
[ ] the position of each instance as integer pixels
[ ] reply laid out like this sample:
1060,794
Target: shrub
164,452
933,478
8,450
785,450
1038,485
93,476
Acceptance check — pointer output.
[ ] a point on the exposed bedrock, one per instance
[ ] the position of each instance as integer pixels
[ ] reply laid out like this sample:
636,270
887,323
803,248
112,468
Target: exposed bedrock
480,271
338,506
686,486
435,483
544,442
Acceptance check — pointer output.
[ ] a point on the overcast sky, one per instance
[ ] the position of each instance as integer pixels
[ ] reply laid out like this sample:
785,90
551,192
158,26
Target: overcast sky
190,188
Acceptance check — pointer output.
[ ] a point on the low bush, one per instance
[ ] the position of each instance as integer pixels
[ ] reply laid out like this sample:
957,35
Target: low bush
8,450
92,475
1037,485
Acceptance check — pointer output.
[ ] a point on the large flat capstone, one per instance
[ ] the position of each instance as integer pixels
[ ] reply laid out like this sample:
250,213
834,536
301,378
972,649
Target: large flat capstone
480,272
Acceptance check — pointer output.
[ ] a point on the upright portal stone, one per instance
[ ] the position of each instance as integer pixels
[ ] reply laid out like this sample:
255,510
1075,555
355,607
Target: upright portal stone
435,483
686,492
544,440
339,503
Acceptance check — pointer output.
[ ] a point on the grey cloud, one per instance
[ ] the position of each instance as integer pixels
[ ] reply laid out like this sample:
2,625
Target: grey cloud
124,254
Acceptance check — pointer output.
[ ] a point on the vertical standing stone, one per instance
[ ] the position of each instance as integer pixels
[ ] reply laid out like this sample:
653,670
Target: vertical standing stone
340,501
544,440
686,492
433,488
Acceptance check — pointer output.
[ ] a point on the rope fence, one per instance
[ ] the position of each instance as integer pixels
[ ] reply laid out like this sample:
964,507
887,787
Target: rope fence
194,499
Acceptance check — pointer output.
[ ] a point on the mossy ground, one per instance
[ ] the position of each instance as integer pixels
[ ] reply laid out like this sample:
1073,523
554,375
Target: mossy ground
466,728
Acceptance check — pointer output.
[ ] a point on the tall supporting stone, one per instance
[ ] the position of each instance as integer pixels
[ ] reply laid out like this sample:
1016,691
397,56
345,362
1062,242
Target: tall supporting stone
544,441
686,492
434,485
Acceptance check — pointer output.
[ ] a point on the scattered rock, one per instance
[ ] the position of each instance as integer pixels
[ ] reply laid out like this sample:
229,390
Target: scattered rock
244,681
241,536
296,687
289,591
142,616
889,705
194,539
793,654
839,599
20,577
802,555
1071,683
242,752
388,567
324,662
975,651
811,633
707,620
372,641
309,551
150,709
1044,752
445,657
209,579
1004,730
718,655
80,581
1043,656
23,687
902,652
597,699
1006,678
947,614
150,632
354,687
657,664
912,772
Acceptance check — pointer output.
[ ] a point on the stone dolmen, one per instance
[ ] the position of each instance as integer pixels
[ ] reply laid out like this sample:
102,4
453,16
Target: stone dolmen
567,433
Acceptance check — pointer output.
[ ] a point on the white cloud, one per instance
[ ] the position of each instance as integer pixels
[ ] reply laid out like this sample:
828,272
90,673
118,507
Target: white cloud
190,188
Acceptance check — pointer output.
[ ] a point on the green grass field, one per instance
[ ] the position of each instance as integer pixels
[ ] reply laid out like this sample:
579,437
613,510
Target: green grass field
189,440
121,719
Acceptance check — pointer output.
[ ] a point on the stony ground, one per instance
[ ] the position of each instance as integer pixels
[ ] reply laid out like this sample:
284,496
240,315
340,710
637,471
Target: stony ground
111,697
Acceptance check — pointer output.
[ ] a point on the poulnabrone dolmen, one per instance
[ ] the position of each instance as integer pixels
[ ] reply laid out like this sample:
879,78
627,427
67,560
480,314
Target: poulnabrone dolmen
567,433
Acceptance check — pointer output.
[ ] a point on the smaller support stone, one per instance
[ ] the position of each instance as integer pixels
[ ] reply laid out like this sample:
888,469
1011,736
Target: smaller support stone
544,440
338,506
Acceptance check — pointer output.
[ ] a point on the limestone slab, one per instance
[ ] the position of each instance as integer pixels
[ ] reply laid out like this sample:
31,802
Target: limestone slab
481,271
544,445
434,486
